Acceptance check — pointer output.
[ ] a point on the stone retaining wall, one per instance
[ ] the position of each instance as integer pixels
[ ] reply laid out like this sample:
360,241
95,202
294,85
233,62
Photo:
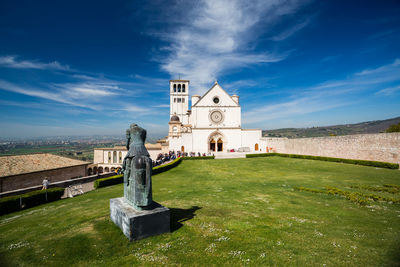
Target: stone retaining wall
378,147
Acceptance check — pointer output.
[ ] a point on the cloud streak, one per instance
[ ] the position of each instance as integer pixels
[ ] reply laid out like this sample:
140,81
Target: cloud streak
328,95
15,63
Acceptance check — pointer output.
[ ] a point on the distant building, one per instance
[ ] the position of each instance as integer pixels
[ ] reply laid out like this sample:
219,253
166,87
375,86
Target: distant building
111,158
23,171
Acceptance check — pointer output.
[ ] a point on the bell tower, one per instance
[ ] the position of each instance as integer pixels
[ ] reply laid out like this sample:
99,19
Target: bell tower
179,99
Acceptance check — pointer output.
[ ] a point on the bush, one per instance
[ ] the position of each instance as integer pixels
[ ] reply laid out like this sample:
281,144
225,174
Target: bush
349,161
195,158
30,199
393,128
166,167
117,179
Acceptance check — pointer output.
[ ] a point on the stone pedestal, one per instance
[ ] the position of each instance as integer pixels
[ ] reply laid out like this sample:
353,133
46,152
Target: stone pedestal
138,224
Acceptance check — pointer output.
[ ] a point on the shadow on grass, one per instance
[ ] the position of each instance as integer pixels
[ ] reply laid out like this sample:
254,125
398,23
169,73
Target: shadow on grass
178,216
394,254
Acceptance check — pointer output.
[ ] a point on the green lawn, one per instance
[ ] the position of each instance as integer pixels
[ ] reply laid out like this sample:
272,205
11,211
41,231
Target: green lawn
224,212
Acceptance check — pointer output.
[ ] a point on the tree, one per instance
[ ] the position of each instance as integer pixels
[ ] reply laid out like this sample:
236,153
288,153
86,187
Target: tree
393,128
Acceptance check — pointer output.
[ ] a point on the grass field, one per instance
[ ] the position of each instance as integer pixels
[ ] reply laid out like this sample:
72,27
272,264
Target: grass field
224,212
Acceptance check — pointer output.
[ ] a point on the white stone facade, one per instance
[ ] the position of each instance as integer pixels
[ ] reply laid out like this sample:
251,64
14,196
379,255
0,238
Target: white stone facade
213,124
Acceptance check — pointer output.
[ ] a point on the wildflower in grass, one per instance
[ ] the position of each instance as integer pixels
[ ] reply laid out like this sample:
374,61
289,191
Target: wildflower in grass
211,248
262,255
164,247
222,238
20,244
317,233
237,253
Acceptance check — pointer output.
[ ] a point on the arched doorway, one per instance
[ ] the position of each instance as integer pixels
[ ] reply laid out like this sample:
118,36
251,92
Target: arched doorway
106,169
95,170
115,157
220,145
100,170
256,147
89,171
183,149
212,145
216,142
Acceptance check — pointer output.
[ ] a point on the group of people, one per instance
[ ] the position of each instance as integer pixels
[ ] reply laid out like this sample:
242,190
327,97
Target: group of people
171,155
161,158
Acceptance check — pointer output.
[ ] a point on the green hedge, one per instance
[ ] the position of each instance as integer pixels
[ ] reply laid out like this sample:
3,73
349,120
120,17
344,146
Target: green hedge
112,180
202,157
349,161
117,179
30,199
166,167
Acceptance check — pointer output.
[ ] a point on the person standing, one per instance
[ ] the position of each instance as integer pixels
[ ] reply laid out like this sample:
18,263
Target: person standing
45,184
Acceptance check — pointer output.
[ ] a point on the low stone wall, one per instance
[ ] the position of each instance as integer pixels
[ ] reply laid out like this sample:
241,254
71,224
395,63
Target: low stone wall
64,183
9,183
378,147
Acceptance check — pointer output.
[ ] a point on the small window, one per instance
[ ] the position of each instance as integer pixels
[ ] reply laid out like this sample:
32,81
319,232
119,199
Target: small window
179,100
183,100
179,88
216,100
174,100
175,129
175,88
183,88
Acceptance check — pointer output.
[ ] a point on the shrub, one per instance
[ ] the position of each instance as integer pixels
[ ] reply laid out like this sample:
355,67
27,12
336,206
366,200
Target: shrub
393,128
117,179
166,167
349,161
356,197
30,199
195,158
389,189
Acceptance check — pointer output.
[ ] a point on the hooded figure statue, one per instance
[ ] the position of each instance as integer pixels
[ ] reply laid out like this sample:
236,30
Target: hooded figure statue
137,168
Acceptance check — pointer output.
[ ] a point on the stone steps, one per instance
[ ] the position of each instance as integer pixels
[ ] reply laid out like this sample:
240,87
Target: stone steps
230,155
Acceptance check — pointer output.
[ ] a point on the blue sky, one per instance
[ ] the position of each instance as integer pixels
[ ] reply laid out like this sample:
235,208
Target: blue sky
94,67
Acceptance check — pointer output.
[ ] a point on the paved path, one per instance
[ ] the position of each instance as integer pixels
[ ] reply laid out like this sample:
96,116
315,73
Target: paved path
230,155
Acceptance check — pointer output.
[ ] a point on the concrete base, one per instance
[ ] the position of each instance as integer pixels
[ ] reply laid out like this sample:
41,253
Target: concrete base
137,224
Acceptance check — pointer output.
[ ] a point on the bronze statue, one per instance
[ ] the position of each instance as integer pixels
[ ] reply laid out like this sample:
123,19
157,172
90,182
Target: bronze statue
137,168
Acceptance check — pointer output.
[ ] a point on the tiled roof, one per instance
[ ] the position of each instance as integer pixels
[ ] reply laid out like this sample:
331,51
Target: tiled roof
119,148
14,165
122,148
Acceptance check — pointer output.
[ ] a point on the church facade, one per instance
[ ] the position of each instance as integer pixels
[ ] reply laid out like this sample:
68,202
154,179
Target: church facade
212,124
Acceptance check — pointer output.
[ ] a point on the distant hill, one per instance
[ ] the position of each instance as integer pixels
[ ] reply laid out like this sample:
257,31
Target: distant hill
346,129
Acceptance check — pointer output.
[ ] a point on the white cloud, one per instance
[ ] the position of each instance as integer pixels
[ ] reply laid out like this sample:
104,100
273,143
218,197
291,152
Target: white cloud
54,96
15,63
389,91
217,35
383,69
328,95
289,32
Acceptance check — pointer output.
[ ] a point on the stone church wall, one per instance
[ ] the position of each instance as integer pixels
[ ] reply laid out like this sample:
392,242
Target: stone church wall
377,147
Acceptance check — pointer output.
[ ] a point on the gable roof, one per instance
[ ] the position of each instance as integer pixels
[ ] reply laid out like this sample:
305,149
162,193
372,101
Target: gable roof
19,164
213,88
